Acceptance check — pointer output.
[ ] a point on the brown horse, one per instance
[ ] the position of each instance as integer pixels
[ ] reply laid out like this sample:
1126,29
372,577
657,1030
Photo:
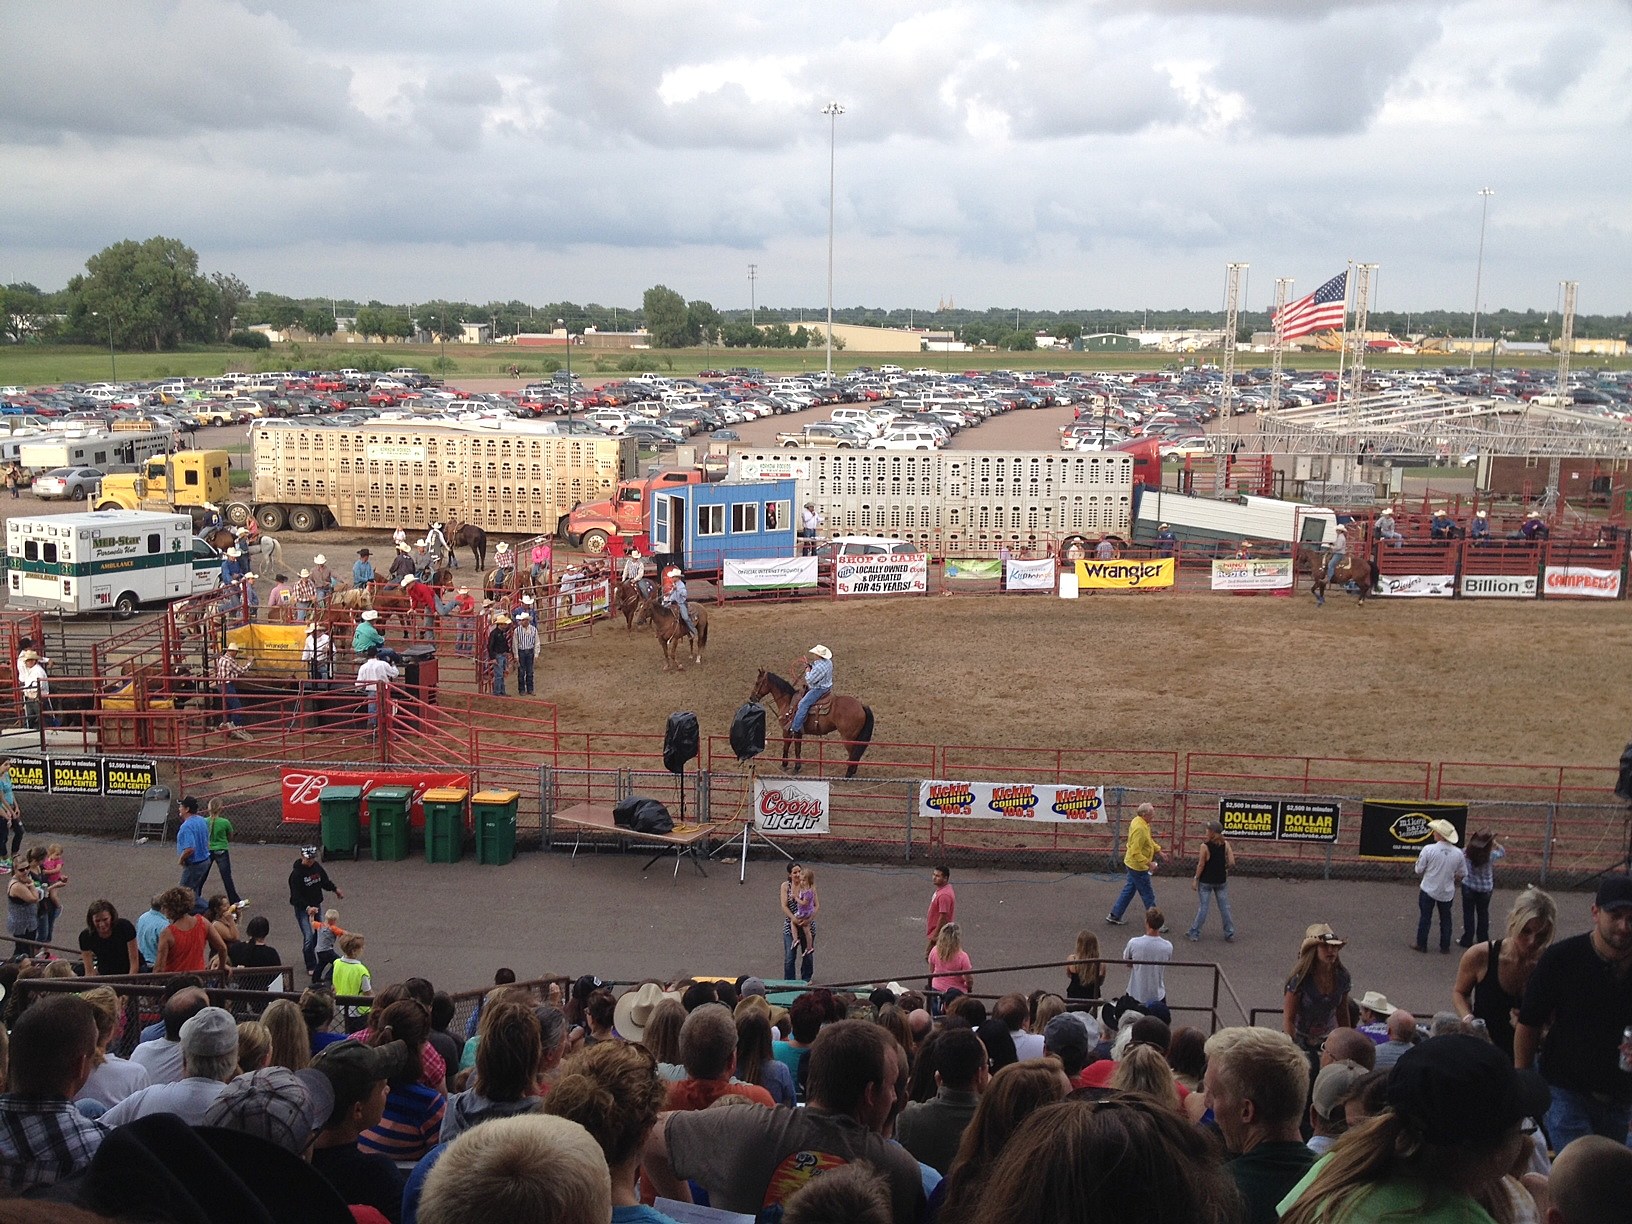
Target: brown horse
671,630
1362,571
474,538
835,712
629,599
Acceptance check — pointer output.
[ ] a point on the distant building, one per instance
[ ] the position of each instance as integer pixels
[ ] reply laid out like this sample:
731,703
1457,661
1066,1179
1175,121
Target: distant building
475,333
858,338
1106,342
1184,340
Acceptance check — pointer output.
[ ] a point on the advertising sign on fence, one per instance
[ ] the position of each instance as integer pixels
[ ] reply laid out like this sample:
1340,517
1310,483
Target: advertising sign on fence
582,600
1577,580
769,573
1498,586
973,569
302,787
1125,575
792,809
1270,574
1305,820
1042,803
1030,575
881,574
114,777
1393,830
1419,586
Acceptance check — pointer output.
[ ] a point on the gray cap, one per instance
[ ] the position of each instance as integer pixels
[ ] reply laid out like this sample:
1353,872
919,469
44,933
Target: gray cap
275,1103
1065,1036
211,1032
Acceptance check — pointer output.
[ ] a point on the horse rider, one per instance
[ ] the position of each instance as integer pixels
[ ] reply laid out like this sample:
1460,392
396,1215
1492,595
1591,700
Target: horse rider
421,557
322,580
675,596
634,567
362,570
818,683
504,564
232,566
304,593
1339,550
213,522
542,558
436,543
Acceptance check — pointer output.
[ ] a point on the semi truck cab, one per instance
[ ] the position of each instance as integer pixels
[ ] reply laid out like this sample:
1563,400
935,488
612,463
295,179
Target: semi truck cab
181,482
590,525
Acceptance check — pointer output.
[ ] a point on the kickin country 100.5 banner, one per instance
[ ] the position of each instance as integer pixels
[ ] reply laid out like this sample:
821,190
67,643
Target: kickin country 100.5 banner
1043,803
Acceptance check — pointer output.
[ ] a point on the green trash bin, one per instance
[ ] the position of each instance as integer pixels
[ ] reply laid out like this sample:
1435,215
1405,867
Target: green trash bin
340,812
388,822
444,824
494,814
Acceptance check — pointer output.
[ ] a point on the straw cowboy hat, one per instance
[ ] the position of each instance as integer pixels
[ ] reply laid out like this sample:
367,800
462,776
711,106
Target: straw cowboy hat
233,646
501,619
31,656
821,652
634,1010
402,548
305,573
462,591
1445,829
320,559
1318,934
371,615
1376,1001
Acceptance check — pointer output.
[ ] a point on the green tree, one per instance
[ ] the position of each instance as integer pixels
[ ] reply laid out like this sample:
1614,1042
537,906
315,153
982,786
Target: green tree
152,292
442,320
230,296
740,335
1019,342
377,320
777,335
23,313
802,338
666,317
702,321
1068,331
318,321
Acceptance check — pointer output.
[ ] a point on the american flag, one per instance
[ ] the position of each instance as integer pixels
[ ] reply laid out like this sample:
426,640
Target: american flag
1322,310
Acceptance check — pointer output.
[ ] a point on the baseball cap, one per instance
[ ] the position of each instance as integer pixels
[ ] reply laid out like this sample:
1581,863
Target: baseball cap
308,851
752,986
276,1104
353,1069
1065,1036
1460,1089
1333,1084
211,1032
1614,892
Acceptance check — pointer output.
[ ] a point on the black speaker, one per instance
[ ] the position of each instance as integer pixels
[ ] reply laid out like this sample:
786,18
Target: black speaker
680,741
748,731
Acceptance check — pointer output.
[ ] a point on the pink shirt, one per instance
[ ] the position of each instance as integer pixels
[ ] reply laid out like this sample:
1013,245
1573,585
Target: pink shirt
952,974
940,910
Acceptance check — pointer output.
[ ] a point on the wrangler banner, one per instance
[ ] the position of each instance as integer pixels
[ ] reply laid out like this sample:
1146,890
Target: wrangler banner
1269,574
1042,803
302,788
1392,830
1124,575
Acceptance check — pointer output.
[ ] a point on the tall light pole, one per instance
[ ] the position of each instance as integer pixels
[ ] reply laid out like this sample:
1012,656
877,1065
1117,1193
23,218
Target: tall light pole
113,362
753,272
832,110
562,324
1479,275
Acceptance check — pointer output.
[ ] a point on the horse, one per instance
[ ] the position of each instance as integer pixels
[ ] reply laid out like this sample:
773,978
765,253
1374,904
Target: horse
353,599
835,712
671,630
629,600
389,603
474,538
1362,571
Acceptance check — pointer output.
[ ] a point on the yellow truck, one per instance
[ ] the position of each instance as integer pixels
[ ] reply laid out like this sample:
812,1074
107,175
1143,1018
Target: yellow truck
181,483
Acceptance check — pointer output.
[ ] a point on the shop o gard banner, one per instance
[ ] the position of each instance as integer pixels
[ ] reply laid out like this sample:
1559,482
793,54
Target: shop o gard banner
1039,802
1125,575
1269,574
881,574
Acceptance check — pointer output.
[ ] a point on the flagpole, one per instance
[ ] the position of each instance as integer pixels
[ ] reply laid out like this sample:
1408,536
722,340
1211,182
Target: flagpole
1343,352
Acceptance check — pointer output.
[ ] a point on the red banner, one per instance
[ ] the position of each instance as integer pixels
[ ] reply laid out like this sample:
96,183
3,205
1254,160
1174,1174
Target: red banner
302,787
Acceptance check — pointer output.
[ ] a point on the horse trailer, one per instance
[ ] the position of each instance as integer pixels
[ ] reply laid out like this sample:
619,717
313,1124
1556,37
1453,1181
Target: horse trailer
105,561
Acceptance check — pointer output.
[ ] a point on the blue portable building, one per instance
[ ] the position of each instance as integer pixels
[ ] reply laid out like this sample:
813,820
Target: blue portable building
700,525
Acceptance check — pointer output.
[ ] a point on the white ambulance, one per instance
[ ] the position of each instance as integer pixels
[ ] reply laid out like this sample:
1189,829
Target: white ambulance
105,561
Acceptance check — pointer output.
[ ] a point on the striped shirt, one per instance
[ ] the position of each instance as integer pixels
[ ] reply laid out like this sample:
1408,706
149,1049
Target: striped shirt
1483,879
44,1140
411,1125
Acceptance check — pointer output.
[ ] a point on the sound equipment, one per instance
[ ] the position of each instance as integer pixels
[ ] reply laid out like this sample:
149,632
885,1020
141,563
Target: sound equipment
680,739
748,731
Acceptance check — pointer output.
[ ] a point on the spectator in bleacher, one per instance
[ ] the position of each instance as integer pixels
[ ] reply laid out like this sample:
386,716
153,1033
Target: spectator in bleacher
1013,1094
1374,1009
107,945
1594,1173
1012,1010
223,916
1186,1054
162,1057
412,1119
1136,1030
1452,1133
1442,867
1402,1036
1580,995
446,1043
253,952
895,1020
533,1168
112,1078
1085,972
932,1131
509,1062
615,1094
805,1019
742,1156
1066,1039
1348,1045
209,1049
756,1063
317,1010
850,1194
1317,992
599,1012
501,977
1257,1083
276,1104
359,1077
148,927
308,881
661,1036
1327,1119
291,1045
1118,1159
708,1050
254,1046
1491,977
43,1138
1143,1069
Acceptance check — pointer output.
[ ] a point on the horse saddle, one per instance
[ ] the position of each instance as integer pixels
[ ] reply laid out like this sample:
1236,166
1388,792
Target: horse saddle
822,707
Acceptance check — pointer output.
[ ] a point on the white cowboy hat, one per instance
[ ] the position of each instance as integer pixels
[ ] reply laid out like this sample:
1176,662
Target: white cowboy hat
211,506
821,652
1533,514
1343,529
419,543
233,552
371,615
233,646
524,616
462,591
502,547
305,573
634,1010
527,599
1482,514
408,578
402,548
1376,1001
436,526
239,531
1445,829
320,559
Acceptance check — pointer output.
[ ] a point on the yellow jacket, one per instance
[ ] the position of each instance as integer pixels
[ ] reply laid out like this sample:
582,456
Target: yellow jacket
1142,846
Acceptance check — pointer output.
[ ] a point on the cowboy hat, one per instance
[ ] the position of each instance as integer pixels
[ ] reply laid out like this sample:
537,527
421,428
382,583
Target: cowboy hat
31,656
1318,934
320,559
305,573
402,548
1482,514
1445,829
502,546
462,591
501,619
527,599
821,652
406,579
634,1010
1376,1001
371,615
524,616
233,552
234,646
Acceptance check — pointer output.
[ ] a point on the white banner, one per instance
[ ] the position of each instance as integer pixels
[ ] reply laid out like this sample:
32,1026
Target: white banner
776,468
1039,802
1035,575
791,809
1266,575
1419,586
768,573
1576,580
1498,586
881,573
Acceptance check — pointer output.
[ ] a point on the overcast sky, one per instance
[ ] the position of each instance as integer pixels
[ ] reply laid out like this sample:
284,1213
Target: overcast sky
1048,155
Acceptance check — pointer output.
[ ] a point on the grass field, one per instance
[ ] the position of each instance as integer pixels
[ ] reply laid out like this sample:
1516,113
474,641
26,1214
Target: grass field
29,365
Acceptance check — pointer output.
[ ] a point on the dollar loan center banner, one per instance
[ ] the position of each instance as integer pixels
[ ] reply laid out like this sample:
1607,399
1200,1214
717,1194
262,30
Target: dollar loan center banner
1040,803
1124,575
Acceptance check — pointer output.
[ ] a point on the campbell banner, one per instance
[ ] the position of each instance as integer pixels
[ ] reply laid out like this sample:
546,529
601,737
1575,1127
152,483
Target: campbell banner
302,788
1579,580
792,809
1125,575
1391,830
1040,802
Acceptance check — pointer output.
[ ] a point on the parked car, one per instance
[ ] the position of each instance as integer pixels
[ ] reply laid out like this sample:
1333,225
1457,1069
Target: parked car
73,483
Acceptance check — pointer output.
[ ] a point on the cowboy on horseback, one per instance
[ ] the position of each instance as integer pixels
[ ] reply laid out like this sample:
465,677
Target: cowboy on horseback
436,544
362,570
1339,550
213,522
818,682
675,596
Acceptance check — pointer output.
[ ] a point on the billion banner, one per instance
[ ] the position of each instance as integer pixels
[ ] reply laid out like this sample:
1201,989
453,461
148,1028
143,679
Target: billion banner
1394,831
1303,820
1124,575
1037,802
110,777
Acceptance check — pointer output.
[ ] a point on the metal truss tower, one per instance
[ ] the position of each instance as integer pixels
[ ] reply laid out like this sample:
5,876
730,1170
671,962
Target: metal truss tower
1566,342
1363,273
1232,311
1283,290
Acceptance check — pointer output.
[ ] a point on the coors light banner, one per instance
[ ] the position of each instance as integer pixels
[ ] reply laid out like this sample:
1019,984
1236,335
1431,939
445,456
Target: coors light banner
791,809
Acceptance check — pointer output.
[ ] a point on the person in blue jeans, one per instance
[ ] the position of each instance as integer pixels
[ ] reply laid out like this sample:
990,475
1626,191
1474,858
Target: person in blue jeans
193,847
498,652
1340,550
1141,857
1212,881
818,684
308,881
